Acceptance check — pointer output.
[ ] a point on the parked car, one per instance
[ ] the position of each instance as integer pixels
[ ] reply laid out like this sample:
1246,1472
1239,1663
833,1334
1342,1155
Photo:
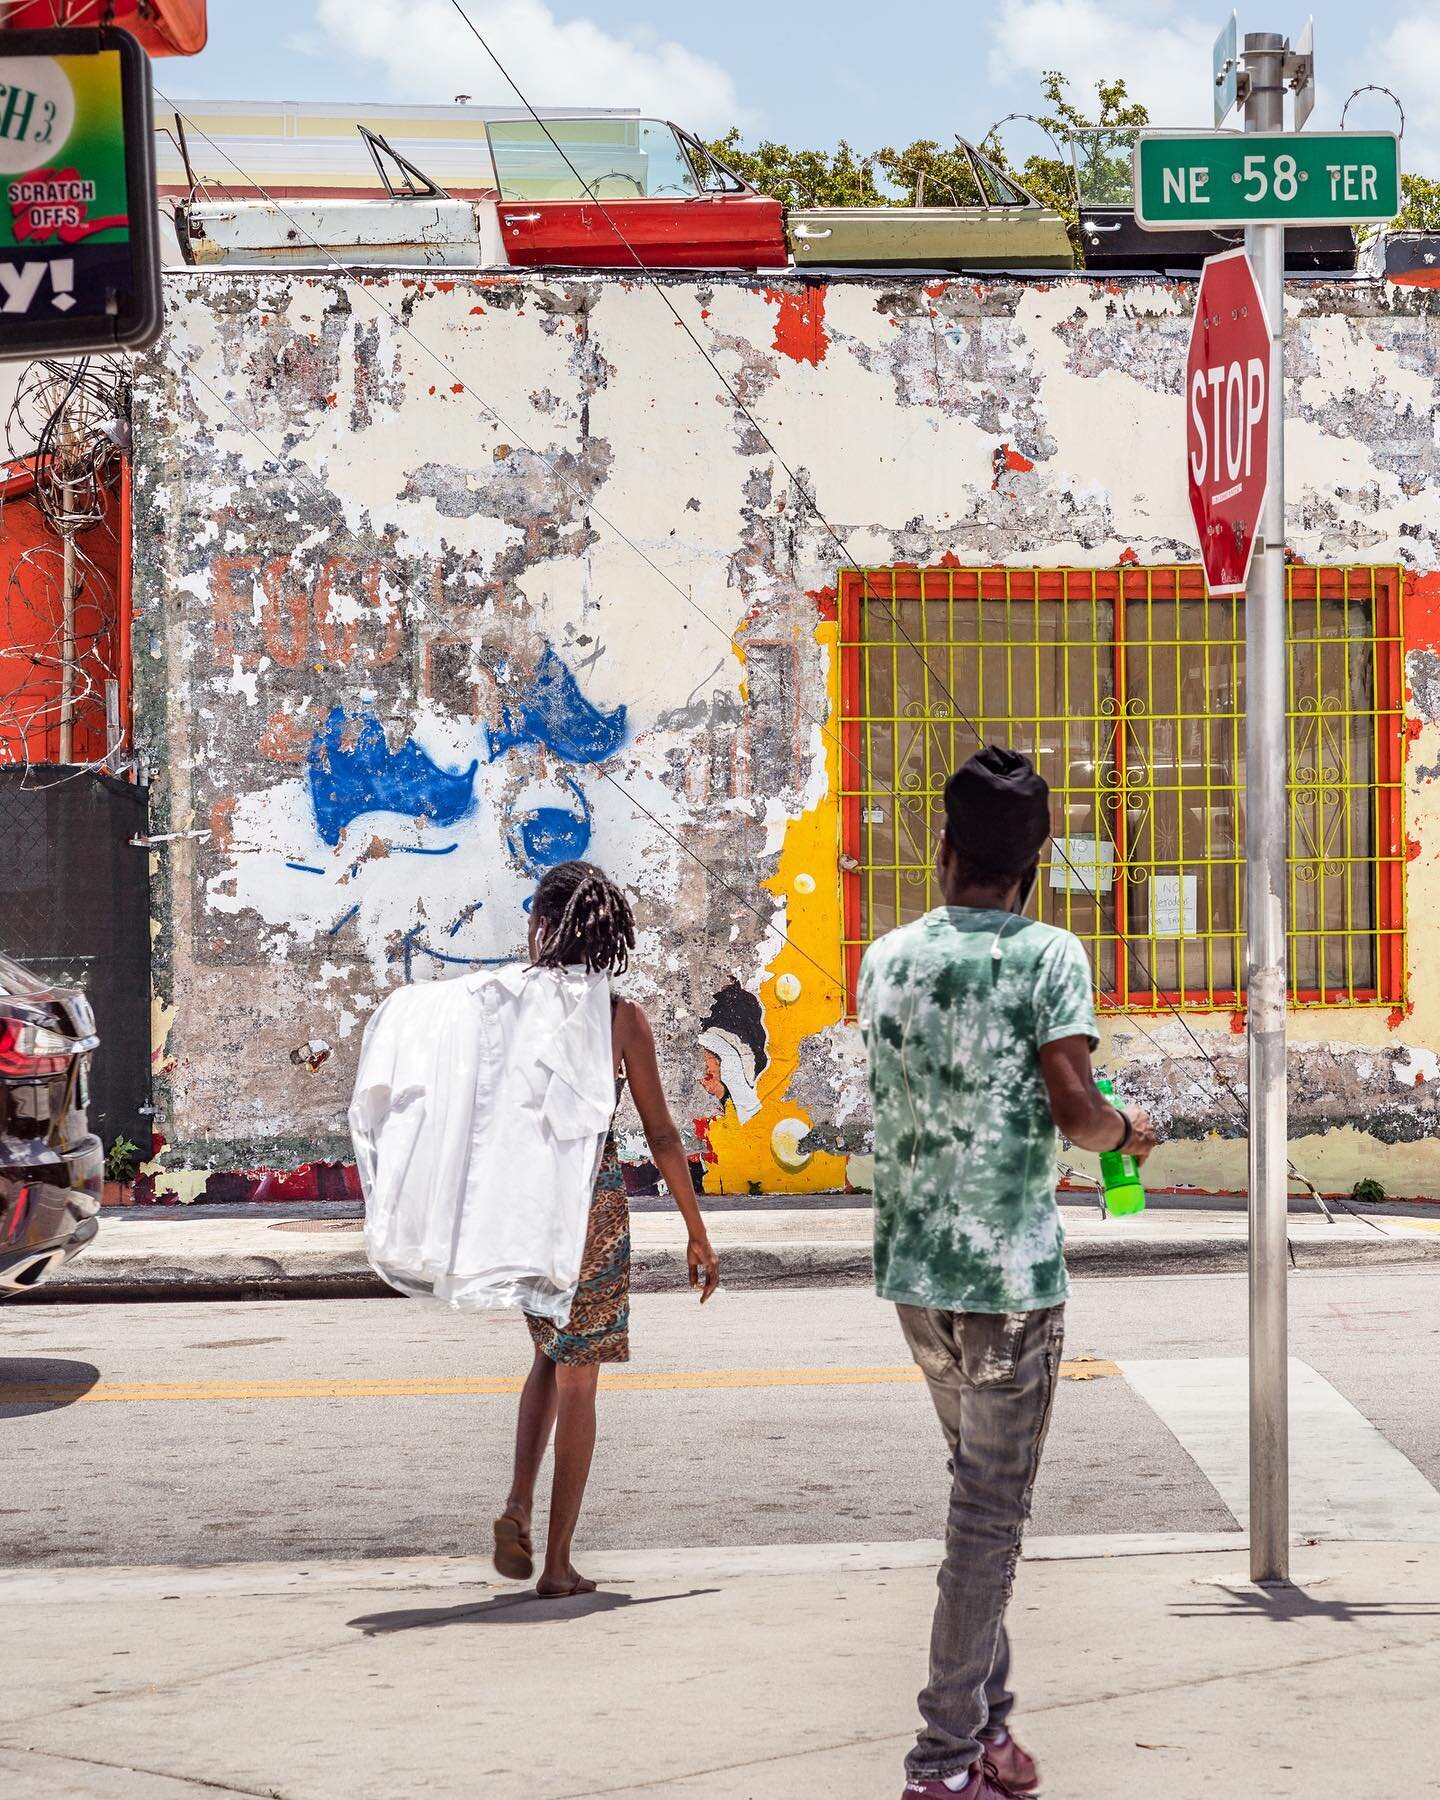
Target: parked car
1102,158
593,191
51,1164
359,233
666,202
1004,228
420,225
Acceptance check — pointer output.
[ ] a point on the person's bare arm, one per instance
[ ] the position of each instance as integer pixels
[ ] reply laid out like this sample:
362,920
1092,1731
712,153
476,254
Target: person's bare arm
636,1043
1081,1112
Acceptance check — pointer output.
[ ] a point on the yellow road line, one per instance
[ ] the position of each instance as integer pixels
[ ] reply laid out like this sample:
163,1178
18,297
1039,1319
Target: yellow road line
479,1386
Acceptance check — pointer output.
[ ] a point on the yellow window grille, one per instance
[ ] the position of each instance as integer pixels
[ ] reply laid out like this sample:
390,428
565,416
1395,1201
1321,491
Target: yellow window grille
1127,686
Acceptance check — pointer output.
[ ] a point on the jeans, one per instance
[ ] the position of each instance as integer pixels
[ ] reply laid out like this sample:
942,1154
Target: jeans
992,1377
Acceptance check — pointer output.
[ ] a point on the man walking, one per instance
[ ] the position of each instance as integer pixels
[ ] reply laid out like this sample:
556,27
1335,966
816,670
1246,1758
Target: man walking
980,1024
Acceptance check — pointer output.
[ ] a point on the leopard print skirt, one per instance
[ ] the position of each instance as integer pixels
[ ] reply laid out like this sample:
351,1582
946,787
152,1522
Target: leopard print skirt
598,1330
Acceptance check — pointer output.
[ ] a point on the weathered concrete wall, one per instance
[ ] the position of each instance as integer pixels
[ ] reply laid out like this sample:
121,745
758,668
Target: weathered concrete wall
439,581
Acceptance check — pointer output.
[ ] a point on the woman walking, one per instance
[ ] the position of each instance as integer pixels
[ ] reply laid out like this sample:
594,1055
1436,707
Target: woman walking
580,918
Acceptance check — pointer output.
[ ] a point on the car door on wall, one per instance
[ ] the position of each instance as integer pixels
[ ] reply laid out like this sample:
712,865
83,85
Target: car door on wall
611,192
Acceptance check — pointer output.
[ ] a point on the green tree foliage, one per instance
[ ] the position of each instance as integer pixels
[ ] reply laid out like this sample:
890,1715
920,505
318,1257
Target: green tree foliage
1104,162
943,177
842,177
838,177
937,177
1420,208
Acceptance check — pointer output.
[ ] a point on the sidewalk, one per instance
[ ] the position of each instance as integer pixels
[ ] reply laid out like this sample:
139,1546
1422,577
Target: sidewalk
197,1250
761,1674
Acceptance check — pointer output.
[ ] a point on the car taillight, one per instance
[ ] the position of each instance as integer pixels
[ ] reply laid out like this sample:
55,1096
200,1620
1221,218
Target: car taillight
28,1050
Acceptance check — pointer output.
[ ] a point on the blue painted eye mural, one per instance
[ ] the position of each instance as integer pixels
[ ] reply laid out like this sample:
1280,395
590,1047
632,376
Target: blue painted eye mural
551,835
371,777
353,772
554,713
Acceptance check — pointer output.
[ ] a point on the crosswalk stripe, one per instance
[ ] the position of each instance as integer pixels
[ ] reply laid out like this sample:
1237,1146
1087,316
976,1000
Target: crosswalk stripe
1347,1480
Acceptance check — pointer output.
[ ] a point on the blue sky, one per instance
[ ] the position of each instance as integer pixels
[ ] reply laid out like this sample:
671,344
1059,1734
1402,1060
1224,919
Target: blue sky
801,71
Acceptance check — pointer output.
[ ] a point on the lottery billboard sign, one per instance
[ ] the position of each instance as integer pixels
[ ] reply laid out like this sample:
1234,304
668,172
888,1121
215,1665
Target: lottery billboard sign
79,251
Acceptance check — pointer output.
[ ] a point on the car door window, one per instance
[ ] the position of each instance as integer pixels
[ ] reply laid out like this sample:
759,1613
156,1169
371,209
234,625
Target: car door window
996,187
668,175
710,172
989,187
1103,159
580,159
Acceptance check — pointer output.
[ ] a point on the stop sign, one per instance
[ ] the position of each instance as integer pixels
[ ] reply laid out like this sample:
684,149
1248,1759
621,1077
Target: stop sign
1227,417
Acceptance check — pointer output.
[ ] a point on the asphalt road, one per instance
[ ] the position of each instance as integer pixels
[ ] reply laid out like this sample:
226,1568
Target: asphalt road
324,1429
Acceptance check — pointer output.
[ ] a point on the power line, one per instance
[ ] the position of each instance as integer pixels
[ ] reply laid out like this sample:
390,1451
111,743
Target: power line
1222,1081
846,558
549,463
768,920
734,893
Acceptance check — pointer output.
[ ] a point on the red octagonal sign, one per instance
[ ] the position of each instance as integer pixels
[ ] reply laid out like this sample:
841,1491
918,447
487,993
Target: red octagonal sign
1228,401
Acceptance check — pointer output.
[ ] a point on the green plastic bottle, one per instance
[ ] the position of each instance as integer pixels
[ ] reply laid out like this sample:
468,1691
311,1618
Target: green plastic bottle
1119,1171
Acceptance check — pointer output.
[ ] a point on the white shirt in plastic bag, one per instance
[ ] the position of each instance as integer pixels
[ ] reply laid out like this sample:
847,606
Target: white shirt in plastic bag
479,1118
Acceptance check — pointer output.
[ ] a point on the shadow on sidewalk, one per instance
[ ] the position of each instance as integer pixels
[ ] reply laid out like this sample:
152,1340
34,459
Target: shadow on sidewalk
1285,1603
41,1384
525,1608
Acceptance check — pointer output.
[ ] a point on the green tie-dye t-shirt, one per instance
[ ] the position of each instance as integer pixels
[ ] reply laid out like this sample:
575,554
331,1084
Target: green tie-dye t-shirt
965,1214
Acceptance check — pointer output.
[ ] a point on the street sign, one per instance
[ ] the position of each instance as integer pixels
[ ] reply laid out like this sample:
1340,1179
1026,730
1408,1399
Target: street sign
79,249
1227,178
1227,414
1225,59
1303,78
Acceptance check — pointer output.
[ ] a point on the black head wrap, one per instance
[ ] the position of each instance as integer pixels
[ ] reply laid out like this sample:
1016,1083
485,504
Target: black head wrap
997,811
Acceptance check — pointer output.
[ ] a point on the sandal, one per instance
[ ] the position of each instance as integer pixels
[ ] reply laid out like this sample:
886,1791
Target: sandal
582,1586
514,1553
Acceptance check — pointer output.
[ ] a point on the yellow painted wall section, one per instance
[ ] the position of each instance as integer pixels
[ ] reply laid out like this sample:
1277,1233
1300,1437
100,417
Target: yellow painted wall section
802,994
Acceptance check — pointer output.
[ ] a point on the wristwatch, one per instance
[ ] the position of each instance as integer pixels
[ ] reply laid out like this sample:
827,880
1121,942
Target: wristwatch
1129,1131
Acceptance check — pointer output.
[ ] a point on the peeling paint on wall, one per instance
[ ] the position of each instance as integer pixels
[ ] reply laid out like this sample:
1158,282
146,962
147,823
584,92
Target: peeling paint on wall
800,323
439,583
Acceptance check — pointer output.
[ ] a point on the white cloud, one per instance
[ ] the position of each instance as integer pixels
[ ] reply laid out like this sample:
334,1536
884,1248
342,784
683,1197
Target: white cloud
1407,59
430,56
1164,60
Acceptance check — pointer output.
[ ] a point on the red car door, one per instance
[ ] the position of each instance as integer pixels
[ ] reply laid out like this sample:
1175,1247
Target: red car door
742,231
608,193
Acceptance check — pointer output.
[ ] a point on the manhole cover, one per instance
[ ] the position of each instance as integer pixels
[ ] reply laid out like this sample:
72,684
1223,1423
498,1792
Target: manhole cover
318,1225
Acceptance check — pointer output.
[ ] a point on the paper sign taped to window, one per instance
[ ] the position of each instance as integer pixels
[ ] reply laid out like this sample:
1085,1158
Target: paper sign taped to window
1174,906
1082,865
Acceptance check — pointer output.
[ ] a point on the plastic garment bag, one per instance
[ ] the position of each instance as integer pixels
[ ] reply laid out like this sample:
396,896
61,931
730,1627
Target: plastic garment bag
479,1117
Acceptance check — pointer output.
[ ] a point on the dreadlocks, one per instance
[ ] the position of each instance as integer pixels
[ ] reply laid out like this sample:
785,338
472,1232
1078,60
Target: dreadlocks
583,917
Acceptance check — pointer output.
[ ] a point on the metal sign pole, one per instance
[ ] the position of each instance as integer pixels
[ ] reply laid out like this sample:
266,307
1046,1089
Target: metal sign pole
1266,841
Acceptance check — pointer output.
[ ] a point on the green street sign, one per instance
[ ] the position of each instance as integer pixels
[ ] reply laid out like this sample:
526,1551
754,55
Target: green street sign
1189,179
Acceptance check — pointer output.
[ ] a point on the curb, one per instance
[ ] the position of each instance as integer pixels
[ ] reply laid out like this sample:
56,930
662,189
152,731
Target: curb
347,1276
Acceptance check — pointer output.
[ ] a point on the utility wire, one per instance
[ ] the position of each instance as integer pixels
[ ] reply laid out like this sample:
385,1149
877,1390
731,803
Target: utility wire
766,919
561,478
846,558
1221,1080
449,367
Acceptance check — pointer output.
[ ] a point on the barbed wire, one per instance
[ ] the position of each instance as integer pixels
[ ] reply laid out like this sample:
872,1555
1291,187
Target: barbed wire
66,429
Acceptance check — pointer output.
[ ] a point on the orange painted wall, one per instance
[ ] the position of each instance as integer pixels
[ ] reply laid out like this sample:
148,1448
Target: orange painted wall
30,628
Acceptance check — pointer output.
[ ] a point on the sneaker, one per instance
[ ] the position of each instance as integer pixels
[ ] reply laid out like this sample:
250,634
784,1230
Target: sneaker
984,1784
1014,1766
